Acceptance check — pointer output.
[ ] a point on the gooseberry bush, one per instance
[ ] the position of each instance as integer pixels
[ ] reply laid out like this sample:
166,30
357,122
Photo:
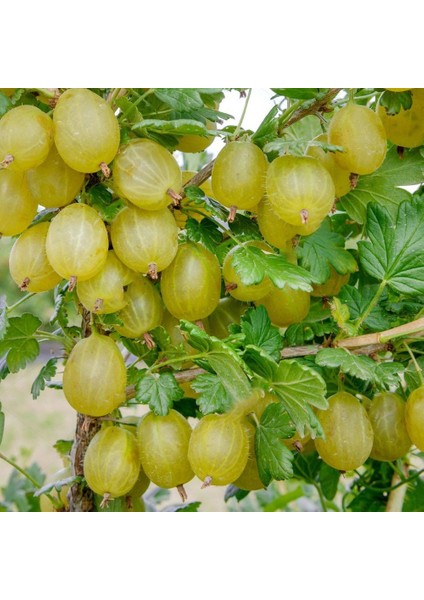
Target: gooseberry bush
255,323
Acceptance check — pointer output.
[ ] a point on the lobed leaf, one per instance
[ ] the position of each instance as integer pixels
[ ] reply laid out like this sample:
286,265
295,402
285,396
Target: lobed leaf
159,391
394,253
19,344
273,457
324,249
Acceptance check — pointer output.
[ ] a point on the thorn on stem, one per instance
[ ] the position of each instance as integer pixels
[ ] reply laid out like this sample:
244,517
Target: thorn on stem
200,324
182,493
298,446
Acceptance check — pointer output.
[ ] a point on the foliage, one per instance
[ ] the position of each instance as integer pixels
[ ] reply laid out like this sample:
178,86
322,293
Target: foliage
373,235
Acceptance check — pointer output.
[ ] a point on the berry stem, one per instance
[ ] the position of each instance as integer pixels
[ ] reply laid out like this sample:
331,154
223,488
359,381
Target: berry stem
9,309
415,363
21,471
243,114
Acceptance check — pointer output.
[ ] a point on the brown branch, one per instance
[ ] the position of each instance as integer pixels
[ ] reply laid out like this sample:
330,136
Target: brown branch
383,336
199,178
295,351
320,105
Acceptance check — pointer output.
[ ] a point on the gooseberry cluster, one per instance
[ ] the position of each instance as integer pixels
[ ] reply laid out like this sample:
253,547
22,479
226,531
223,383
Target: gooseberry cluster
142,267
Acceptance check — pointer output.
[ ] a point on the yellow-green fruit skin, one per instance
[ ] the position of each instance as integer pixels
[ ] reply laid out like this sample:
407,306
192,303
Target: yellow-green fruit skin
238,175
348,433
54,184
406,128
95,378
227,312
77,242
243,292
249,479
286,306
191,285
28,261
414,417
163,443
104,293
143,172
141,238
332,286
218,449
196,143
111,462
340,177
17,206
143,310
26,133
360,132
274,230
300,190
86,130
387,416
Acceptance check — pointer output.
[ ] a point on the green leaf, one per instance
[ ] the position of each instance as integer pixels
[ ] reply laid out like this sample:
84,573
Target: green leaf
102,200
258,330
130,111
329,480
296,137
191,507
299,387
5,104
47,372
4,369
252,265
63,447
180,99
4,321
231,491
18,343
368,500
382,186
175,127
259,361
316,325
412,378
267,130
414,499
159,391
362,367
273,457
297,93
324,249
358,301
393,102
395,251
213,398
245,228
206,231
